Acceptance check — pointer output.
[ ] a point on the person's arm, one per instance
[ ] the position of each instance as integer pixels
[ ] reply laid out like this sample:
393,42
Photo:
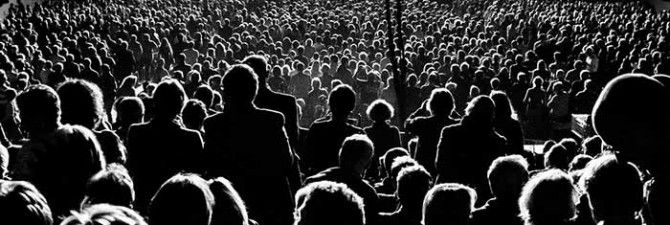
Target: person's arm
444,158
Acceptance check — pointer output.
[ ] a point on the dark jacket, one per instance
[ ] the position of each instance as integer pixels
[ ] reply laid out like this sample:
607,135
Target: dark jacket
251,149
383,137
285,104
324,141
158,150
427,129
497,212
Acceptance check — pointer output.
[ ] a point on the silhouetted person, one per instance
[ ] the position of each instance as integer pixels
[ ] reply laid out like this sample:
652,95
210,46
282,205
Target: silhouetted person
57,159
249,146
328,203
448,203
548,199
354,158
557,158
104,214
268,99
162,147
22,203
506,177
506,125
614,190
229,208
467,149
326,136
82,104
387,184
129,110
182,199
427,129
383,135
413,183
112,185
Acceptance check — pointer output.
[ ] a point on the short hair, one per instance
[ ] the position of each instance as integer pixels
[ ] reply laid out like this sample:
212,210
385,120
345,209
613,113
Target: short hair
592,146
240,84
556,158
130,110
182,199
194,114
111,186
441,102
259,64
356,149
229,208
389,157
81,103
105,214
342,100
614,187
448,203
22,203
413,182
579,162
481,108
169,98
205,94
328,203
380,110
39,109
549,196
507,175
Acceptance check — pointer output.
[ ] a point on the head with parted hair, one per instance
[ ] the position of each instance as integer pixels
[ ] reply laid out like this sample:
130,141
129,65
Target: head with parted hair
39,109
22,203
111,186
169,98
356,153
81,103
380,111
548,198
507,175
441,102
240,85
448,203
182,199
229,208
328,203
105,214
614,188
412,184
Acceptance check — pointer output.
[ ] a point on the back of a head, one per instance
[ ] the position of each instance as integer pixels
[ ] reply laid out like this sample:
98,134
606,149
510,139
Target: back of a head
481,109
22,203
557,158
614,188
413,183
229,208
328,203
389,157
356,152
205,94
130,110
342,100
548,198
507,175
448,203
194,114
502,103
39,109
629,116
111,186
81,103
259,64
380,111
182,199
74,158
240,85
592,146
441,102
579,162
169,98
104,214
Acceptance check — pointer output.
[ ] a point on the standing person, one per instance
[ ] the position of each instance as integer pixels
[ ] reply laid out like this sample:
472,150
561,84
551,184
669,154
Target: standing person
559,112
7,109
383,135
466,149
548,199
249,146
506,124
163,146
427,129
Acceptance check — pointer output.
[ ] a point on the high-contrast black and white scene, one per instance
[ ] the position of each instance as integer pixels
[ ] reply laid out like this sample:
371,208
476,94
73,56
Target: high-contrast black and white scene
334,112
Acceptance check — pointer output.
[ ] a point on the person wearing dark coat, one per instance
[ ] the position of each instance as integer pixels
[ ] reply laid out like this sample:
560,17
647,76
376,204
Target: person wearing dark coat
325,137
506,177
125,62
248,146
354,157
383,135
427,129
465,150
268,99
159,149
506,125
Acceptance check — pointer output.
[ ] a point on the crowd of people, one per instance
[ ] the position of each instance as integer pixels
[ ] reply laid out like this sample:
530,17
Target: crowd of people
255,112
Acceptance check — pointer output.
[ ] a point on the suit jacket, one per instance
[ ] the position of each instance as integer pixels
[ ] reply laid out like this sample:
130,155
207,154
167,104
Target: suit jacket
158,150
285,104
250,148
